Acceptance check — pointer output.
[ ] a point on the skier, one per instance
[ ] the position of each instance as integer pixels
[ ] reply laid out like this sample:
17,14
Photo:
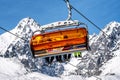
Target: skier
77,54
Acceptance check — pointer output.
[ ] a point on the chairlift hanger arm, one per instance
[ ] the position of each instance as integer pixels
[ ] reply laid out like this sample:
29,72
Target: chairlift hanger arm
69,9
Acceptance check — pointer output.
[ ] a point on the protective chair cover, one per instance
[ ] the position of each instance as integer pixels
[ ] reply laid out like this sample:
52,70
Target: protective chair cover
59,42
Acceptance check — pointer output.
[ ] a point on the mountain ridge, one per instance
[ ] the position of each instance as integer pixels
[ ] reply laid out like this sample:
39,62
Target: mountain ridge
102,49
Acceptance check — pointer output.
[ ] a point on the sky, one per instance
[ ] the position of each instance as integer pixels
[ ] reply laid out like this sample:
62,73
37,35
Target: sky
100,12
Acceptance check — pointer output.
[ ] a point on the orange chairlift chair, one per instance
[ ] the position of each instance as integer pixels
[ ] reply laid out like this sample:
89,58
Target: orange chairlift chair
57,42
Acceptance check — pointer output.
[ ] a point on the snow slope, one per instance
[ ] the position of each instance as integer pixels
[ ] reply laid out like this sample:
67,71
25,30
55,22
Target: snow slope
10,68
17,63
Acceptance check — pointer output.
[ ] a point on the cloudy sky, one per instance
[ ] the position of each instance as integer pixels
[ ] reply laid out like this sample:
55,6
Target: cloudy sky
101,12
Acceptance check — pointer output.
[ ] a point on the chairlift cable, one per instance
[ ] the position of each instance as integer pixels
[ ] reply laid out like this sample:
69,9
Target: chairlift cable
11,33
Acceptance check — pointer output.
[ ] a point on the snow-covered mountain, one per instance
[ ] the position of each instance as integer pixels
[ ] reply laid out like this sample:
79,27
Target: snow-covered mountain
102,62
